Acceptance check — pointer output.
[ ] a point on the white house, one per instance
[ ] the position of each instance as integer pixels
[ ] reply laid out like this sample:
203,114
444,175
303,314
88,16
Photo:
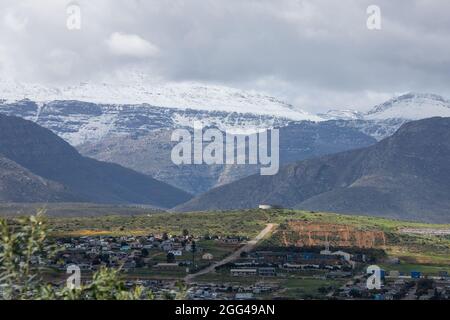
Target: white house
176,252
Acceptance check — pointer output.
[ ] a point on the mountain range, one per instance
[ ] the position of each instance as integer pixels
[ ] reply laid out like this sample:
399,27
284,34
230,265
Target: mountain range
38,166
91,117
403,176
140,91
129,127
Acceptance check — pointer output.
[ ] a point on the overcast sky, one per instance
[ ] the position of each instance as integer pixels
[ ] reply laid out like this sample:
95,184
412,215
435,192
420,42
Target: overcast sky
316,54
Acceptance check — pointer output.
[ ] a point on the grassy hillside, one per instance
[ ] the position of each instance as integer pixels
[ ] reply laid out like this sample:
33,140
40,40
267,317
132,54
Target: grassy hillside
199,224
67,209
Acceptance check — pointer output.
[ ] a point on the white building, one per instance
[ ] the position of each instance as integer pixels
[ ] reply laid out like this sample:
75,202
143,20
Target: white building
243,272
176,253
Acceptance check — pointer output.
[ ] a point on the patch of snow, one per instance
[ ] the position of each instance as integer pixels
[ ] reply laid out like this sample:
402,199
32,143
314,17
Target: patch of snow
239,125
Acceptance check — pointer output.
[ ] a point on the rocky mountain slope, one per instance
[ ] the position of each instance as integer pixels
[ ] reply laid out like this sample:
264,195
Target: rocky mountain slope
18,184
150,154
49,169
404,176
85,122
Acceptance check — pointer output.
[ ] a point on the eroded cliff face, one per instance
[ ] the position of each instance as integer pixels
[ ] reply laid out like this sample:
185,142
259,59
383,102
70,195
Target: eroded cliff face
310,234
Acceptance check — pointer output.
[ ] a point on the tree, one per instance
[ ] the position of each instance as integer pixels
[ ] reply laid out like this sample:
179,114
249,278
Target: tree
244,254
170,257
185,232
20,241
423,285
355,293
139,262
144,252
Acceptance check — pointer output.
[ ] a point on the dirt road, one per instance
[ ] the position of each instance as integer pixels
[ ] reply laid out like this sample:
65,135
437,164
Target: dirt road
235,255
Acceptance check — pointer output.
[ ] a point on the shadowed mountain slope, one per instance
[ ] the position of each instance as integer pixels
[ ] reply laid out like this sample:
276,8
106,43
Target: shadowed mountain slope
40,152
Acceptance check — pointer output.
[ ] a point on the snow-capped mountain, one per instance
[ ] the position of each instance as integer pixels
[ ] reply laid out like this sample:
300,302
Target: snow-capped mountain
88,112
181,96
80,122
347,114
384,119
411,106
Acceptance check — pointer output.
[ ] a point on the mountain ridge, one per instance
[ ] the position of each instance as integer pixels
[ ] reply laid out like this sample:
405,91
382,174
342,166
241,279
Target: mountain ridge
172,95
406,175
420,105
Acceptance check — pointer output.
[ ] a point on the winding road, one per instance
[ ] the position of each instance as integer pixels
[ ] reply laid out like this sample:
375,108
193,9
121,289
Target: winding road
250,245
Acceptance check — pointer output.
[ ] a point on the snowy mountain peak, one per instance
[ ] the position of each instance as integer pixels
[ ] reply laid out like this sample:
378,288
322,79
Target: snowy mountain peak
411,106
184,95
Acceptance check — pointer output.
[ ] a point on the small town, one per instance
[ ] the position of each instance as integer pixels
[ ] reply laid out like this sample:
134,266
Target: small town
159,262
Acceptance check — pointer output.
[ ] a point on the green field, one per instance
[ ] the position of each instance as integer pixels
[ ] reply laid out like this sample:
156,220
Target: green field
291,286
68,209
198,224
407,268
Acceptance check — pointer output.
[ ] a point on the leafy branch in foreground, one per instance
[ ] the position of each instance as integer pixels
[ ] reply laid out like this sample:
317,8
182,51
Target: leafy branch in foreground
105,285
23,248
